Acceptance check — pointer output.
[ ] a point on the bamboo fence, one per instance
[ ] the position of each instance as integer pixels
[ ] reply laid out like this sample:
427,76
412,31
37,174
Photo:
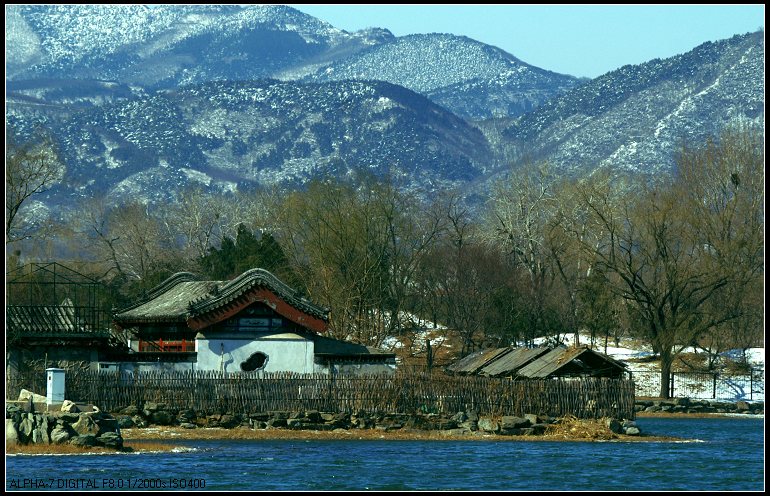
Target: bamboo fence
257,392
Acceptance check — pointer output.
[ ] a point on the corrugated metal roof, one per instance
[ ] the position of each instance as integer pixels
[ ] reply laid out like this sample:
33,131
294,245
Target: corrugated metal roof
476,360
561,357
511,362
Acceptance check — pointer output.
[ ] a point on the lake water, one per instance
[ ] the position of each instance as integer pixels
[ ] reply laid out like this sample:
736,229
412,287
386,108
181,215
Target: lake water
728,456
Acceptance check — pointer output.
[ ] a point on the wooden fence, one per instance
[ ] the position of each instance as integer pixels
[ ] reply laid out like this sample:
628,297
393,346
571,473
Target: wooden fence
217,392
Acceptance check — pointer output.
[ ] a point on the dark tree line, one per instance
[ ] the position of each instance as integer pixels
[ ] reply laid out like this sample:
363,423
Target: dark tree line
676,261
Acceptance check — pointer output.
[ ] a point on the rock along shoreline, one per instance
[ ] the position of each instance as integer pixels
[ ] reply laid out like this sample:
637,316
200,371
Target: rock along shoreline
86,427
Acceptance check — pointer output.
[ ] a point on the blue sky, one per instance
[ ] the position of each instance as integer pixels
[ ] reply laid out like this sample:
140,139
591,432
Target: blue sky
580,40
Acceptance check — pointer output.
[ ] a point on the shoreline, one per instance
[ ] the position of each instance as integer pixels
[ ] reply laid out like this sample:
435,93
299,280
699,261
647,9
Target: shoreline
697,415
170,433
163,439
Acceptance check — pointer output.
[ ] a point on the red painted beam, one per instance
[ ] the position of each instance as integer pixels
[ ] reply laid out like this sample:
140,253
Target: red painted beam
261,295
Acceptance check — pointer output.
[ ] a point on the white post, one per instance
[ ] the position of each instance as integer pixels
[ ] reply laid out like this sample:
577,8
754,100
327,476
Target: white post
55,382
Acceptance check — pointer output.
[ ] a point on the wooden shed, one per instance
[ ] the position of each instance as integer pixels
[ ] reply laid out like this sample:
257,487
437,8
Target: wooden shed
580,361
538,363
510,363
472,363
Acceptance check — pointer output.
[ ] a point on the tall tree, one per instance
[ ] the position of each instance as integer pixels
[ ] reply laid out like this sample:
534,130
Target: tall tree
721,187
519,213
674,258
31,168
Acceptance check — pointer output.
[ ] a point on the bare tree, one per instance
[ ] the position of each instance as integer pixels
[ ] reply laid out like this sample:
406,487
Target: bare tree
519,212
31,168
675,253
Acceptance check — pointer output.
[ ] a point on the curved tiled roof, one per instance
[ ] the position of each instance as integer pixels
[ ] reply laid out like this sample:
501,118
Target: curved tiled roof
184,295
249,279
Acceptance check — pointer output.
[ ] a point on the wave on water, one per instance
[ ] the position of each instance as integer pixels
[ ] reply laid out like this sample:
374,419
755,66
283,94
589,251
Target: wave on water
183,449
742,415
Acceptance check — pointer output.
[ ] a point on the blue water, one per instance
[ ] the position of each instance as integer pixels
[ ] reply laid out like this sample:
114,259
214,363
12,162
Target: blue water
729,456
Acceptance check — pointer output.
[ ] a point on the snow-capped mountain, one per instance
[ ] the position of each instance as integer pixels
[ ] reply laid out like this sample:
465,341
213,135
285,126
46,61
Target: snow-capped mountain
171,45
638,116
469,78
167,45
147,100
228,134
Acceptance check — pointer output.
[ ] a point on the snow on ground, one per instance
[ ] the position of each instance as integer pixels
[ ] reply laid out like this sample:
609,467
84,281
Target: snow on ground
646,374
697,386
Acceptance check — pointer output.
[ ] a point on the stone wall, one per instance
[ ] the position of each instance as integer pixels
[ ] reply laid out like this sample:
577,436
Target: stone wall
458,424
686,405
25,426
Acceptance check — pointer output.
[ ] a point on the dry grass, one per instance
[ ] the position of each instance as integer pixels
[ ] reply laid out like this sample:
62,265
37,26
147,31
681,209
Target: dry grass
155,439
70,449
570,430
573,428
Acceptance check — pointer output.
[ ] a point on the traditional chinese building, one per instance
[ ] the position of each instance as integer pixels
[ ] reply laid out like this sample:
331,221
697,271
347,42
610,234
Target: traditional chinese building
252,322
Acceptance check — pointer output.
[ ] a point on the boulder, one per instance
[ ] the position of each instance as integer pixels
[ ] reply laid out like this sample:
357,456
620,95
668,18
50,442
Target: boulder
107,424
11,410
445,424
130,410
11,434
294,423
110,440
742,406
456,432
539,429
69,418
25,430
187,425
187,415
86,425
615,426
139,421
151,406
471,425
86,440
230,421
277,422
44,426
60,435
630,428
40,436
533,419
460,417
161,417
125,422
489,425
25,395
69,407
512,422
313,416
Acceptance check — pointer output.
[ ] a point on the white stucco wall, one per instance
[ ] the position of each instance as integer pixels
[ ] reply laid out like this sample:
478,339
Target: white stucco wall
286,352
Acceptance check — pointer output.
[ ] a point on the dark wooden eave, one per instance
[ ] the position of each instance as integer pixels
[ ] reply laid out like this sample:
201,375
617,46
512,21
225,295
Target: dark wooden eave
184,298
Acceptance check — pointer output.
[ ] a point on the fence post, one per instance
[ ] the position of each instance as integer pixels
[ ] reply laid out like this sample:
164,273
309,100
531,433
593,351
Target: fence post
671,388
751,384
